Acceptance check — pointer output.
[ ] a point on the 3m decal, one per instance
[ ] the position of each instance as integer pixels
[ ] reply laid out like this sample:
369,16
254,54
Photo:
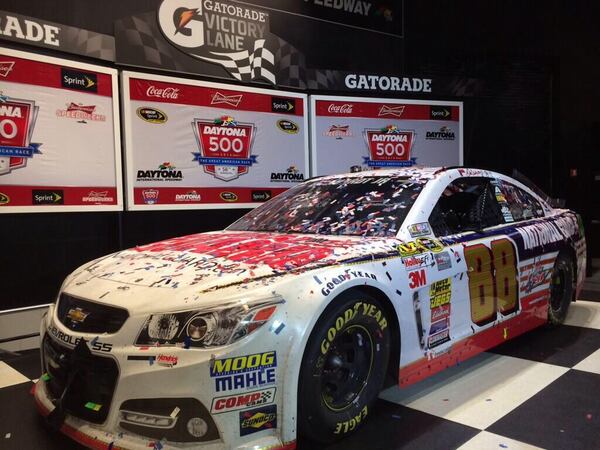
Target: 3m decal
243,372
257,420
417,279
242,401
493,281
349,425
225,147
365,309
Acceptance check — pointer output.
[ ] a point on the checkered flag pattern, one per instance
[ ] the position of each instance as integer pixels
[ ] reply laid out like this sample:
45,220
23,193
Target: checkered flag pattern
246,66
90,43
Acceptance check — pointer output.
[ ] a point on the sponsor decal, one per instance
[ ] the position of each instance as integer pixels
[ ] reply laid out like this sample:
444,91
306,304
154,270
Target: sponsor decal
165,172
97,197
151,115
438,326
291,175
420,245
345,108
346,276
77,315
419,229
242,401
225,147
287,126
440,293
362,308
94,344
540,234
389,147
384,83
440,112
4,199
244,372
81,81
233,36
338,131
440,312
444,134
47,197
150,196
538,276
5,68
261,196
166,360
190,196
394,111
350,425
417,261
283,105
222,99
80,112
417,278
169,93
443,260
439,338
257,420
228,196
17,120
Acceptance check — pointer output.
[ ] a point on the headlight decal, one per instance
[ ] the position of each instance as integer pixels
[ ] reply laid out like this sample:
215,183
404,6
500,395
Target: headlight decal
208,328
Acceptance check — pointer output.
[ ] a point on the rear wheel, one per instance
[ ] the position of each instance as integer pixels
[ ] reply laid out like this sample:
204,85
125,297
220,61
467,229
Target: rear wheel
343,368
561,289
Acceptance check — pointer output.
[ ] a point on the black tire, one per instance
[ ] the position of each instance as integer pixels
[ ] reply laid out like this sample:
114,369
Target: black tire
561,289
343,368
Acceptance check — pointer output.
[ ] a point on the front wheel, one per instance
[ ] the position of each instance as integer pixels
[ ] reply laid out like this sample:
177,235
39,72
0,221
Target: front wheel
344,367
561,289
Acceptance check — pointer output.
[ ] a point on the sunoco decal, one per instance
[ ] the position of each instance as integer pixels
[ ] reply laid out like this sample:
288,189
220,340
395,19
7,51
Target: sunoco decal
257,420
244,372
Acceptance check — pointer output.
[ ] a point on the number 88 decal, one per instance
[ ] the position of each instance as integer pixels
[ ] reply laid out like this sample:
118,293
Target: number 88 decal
493,280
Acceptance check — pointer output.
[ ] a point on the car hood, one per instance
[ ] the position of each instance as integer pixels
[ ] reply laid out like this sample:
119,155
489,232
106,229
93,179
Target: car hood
177,271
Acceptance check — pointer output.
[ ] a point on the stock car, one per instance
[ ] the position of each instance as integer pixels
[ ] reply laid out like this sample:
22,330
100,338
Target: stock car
288,322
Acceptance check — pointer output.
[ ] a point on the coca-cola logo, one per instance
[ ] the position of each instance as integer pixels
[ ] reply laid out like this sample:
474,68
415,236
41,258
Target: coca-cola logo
169,92
346,108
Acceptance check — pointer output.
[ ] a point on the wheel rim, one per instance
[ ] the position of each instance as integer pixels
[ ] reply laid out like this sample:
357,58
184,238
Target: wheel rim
347,368
558,289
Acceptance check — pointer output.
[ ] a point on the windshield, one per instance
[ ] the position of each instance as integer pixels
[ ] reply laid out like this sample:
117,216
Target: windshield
349,206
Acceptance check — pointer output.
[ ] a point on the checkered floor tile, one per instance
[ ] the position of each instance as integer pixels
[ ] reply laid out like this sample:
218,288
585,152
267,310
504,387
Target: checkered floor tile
537,391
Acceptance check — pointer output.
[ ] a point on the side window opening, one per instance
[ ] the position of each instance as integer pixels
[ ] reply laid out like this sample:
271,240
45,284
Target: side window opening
517,205
467,204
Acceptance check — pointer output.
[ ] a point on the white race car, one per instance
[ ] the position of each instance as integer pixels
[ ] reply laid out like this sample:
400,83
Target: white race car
288,321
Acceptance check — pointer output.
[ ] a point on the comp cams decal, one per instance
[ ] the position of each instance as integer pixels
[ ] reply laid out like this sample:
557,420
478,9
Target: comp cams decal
244,372
245,400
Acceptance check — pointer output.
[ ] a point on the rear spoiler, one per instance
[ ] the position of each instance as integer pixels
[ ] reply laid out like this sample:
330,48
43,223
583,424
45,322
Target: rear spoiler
554,202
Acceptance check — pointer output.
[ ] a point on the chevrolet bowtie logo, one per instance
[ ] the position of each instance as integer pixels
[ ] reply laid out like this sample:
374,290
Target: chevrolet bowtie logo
77,315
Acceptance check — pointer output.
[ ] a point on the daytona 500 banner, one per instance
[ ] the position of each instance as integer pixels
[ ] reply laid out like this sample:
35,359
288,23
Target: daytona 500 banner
354,134
193,145
59,135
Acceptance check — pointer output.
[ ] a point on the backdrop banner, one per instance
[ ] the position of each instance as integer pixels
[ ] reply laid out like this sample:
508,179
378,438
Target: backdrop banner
350,134
59,135
195,145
